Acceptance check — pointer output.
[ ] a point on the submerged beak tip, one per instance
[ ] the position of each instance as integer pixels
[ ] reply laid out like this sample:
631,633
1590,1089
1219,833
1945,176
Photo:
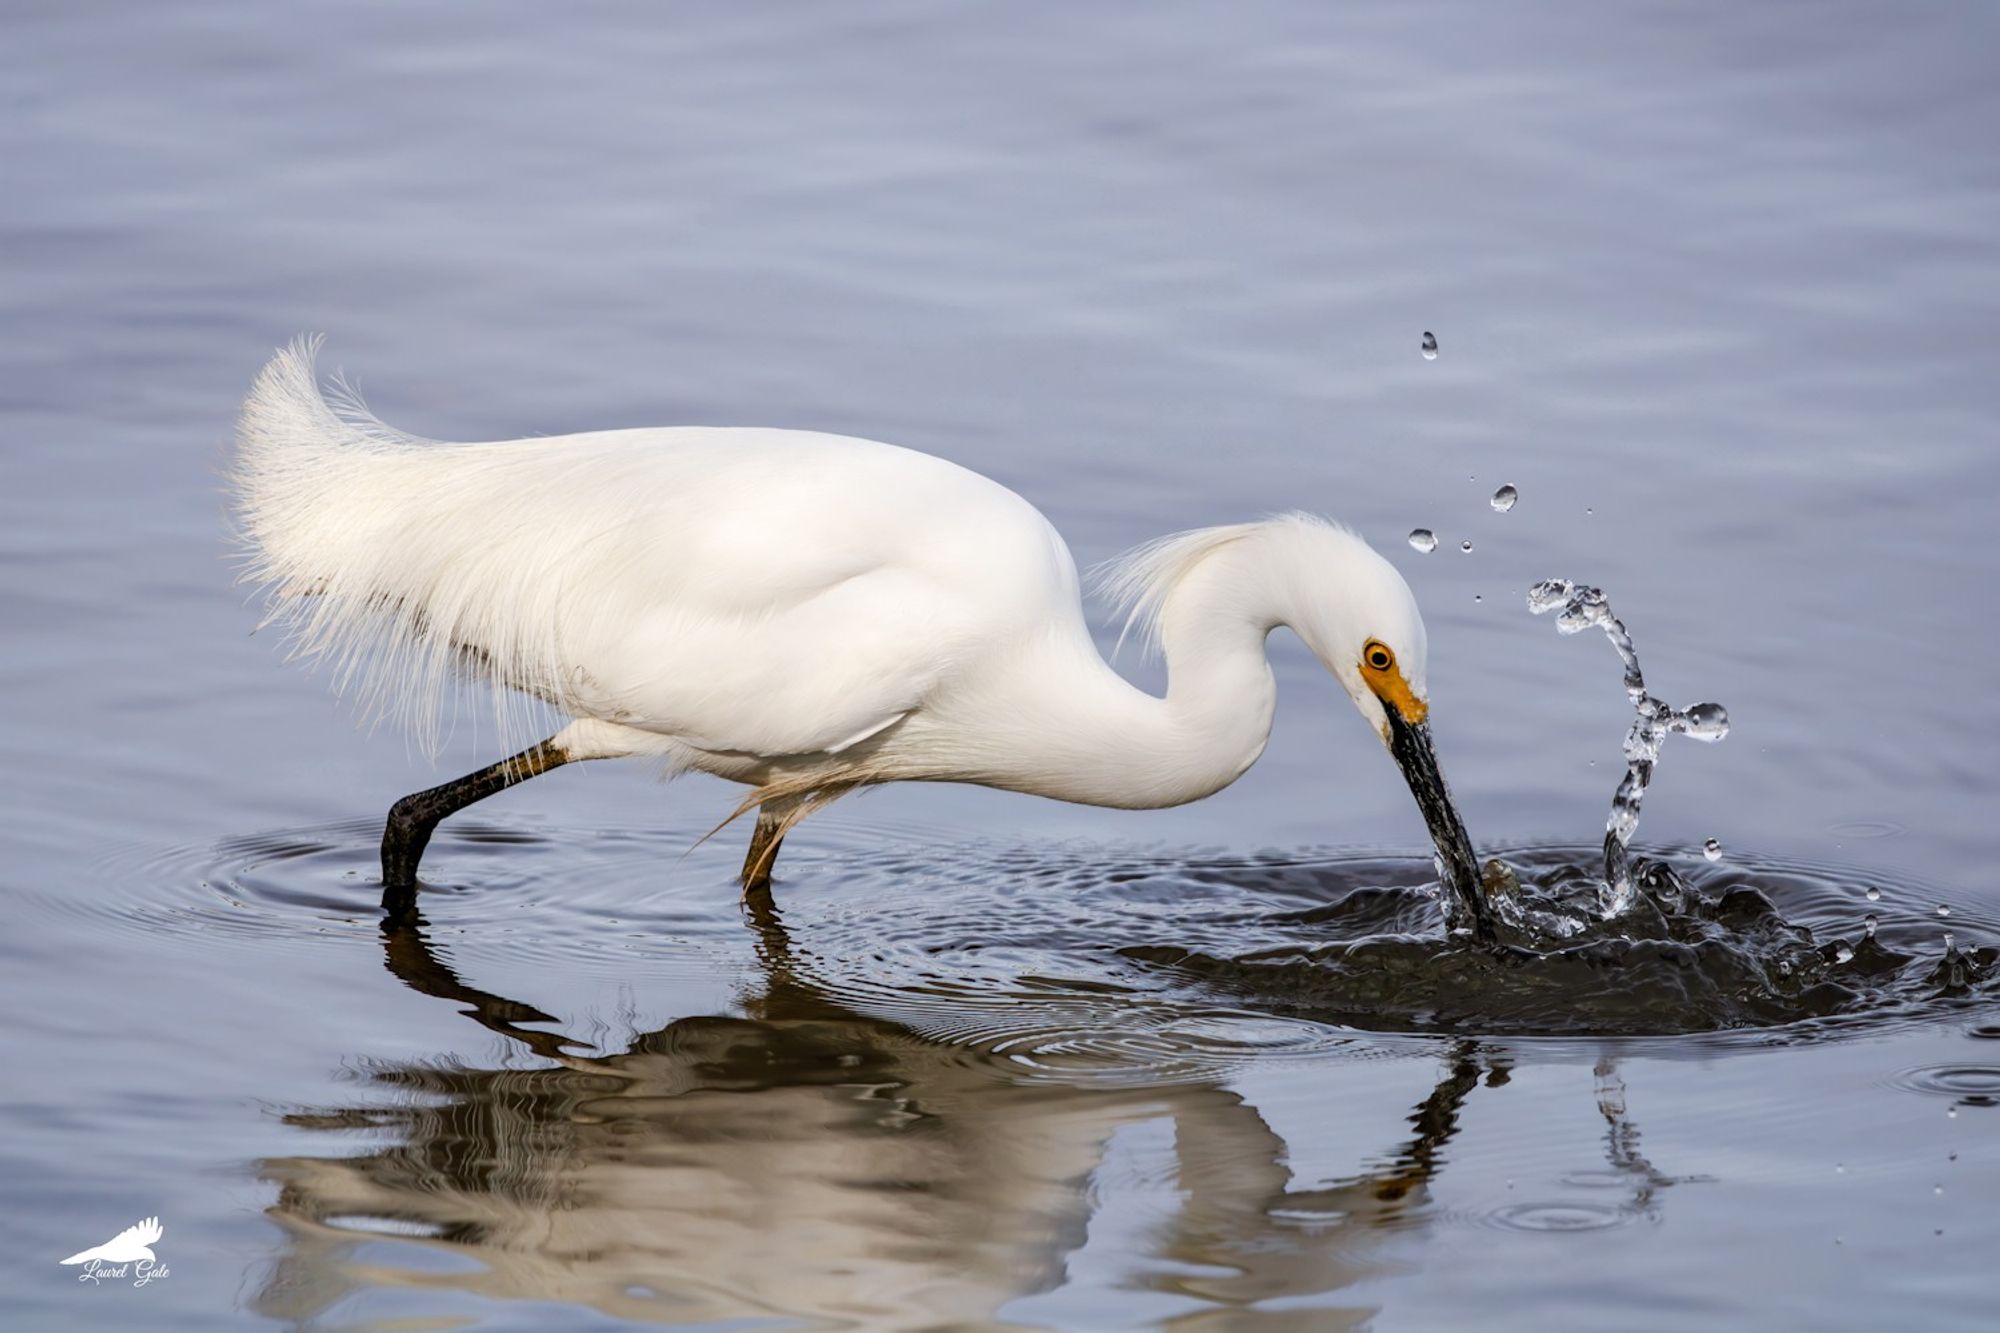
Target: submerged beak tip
1410,743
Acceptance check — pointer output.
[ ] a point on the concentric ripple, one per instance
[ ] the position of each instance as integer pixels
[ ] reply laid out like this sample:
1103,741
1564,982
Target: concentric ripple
1561,1215
1347,943
1972,1085
1072,961
590,895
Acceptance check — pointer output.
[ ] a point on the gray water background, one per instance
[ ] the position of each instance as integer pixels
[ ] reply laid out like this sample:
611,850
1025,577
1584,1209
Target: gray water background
1717,290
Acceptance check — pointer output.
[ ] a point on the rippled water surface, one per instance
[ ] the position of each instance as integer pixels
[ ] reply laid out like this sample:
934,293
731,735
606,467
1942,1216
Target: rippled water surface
1712,296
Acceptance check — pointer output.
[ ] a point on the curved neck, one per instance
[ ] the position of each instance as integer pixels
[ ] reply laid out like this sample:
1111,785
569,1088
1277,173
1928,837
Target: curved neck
1099,740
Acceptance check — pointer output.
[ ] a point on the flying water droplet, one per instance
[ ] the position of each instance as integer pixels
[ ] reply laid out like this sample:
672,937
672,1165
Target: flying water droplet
1423,539
1843,952
1504,498
1548,595
1477,598
1712,850
1706,722
1465,547
1430,346
1874,894
1943,910
1869,923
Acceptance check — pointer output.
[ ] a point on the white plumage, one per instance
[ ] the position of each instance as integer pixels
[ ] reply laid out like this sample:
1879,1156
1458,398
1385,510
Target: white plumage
798,611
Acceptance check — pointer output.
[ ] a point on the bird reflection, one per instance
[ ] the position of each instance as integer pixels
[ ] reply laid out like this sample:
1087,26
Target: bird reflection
805,1161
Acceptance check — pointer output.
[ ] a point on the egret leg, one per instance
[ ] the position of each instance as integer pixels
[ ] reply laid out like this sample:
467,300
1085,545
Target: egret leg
765,840
413,819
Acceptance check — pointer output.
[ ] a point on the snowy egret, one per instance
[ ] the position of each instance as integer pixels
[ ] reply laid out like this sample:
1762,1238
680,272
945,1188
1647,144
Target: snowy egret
802,613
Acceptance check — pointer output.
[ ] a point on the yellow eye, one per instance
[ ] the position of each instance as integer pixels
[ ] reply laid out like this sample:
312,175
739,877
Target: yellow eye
1376,655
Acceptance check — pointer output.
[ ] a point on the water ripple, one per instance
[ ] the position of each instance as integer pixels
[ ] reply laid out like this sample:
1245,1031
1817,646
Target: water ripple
1086,962
1561,1215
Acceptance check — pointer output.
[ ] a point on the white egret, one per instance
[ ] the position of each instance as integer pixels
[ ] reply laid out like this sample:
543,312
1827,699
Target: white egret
803,613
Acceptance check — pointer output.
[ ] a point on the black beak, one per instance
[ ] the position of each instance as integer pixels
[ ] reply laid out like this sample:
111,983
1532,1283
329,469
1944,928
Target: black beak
1458,870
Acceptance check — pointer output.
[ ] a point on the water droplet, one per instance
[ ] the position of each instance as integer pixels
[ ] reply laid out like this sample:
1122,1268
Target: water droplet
1944,909
1843,952
1430,346
1477,598
1504,498
1951,1112
1949,942
1707,722
1466,547
1712,850
1937,1189
1587,512
1423,539
1868,923
1839,1169
1874,894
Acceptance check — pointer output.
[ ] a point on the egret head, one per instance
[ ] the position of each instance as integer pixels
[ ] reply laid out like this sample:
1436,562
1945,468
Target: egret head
1353,611
1361,621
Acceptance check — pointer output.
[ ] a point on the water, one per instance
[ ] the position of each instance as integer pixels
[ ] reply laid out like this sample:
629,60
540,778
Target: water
1581,607
1430,346
993,1061
1423,540
1504,499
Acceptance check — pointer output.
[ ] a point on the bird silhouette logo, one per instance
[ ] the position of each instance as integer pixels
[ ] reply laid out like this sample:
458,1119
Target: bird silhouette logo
131,1245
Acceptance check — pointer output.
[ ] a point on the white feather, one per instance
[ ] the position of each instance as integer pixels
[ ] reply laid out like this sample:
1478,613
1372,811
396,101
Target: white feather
1139,583
798,611
762,592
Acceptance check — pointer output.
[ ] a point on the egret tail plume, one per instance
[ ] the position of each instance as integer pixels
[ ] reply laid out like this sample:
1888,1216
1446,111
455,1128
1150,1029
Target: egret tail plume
399,562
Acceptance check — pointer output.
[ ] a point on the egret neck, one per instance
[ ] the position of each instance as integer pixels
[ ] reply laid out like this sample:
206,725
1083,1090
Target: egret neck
1080,732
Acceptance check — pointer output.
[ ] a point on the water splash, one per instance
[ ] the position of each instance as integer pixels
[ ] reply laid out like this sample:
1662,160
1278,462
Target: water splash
1504,498
1580,607
1423,539
1430,346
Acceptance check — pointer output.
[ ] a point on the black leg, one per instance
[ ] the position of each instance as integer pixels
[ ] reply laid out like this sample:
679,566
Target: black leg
414,818
765,840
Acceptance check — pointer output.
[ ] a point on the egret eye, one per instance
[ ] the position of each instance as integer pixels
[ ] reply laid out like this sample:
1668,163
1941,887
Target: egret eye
1377,655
